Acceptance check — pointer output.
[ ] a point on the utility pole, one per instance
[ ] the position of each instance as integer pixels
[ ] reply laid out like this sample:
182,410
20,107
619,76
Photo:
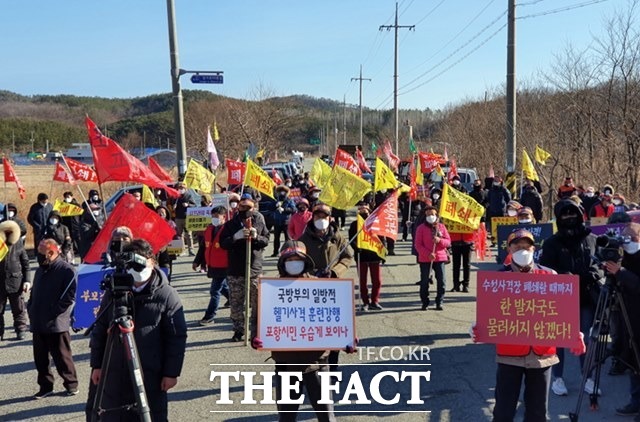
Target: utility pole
344,119
511,89
395,26
178,110
335,131
360,79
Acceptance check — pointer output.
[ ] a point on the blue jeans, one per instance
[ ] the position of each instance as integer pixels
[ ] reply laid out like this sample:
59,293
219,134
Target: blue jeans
438,269
586,321
634,389
218,287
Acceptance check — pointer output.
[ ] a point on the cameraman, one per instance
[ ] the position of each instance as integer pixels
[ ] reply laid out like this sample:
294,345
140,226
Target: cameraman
160,334
627,276
570,251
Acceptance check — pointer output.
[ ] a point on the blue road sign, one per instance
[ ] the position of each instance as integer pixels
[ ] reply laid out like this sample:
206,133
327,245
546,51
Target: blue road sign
207,79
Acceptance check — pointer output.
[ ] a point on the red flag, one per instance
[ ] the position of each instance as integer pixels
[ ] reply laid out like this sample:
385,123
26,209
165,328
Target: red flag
392,159
429,161
11,176
60,174
143,222
235,172
445,155
113,164
81,171
159,171
383,221
276,177
453,170
362,163
413,193
345,160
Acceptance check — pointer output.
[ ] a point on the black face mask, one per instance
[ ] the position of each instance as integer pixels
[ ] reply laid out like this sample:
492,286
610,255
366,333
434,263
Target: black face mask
477,187
244,214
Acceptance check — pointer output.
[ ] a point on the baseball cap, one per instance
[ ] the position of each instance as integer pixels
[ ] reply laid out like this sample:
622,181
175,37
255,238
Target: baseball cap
520,234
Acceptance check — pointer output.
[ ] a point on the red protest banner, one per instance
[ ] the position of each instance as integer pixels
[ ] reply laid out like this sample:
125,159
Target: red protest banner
383,221
81,171
144,224
528,309
10,176
345,160
235,172
61,175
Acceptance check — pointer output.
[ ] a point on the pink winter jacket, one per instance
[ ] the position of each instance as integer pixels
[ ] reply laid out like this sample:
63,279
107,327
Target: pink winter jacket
297,223
424,242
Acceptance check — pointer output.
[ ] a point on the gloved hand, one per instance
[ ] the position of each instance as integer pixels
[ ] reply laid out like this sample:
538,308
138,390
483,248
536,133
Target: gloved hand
253,233
352,348
473,332
256,343
26,287
239,235
580,348
324,274
280,210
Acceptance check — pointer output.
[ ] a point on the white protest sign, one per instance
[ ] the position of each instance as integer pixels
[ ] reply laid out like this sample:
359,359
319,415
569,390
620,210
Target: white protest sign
175,247
198,218
306,314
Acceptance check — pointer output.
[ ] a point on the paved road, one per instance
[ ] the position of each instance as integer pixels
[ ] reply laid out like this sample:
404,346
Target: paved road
462,373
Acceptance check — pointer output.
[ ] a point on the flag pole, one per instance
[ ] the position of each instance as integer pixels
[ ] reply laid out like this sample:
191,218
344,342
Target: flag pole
247,283
51,187
84,199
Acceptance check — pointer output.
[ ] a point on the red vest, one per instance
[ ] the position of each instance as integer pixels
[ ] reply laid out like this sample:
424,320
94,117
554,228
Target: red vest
214,255
461,237
600,211
520,350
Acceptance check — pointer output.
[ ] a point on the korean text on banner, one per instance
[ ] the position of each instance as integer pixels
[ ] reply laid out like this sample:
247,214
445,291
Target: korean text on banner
198,177
320,173
235,172
461,208
501,221
345,160
540,232
198,218
60,174
455,227
67,210
88,294
369,242
305,314
343,189
383,221
259,179
528,309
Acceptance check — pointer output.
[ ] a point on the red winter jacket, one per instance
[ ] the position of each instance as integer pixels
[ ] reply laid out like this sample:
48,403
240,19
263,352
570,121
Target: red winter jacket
297,224
520,350
461,237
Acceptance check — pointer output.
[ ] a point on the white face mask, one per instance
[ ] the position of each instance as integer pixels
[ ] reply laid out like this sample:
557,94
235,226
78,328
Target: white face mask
95,197
96,213
431,219
436,196
617,202
631,247
315,195
294,267
68,199
512,213
321,224
140,276
53,221
456,182
527,221
233,205
522,258
181,191
11,214
589,194
496,185
215,221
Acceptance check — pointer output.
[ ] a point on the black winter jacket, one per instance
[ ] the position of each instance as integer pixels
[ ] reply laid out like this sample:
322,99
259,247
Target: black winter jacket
180,209
238,249
59,233
38,216
14,268
52,297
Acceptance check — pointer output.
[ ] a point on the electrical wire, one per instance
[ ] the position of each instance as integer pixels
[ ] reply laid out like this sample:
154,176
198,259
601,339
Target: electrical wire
562,9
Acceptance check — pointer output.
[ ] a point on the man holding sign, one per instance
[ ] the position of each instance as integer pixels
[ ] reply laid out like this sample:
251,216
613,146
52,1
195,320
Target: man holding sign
517,361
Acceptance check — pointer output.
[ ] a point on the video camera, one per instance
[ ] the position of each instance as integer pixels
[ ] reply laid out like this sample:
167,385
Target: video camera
120,281
610,247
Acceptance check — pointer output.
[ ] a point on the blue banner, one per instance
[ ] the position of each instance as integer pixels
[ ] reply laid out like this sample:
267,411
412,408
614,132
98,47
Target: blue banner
540,232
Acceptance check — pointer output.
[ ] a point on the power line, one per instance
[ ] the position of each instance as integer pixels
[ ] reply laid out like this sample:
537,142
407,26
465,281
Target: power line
431,69
430,12
454,37
486,40
562,9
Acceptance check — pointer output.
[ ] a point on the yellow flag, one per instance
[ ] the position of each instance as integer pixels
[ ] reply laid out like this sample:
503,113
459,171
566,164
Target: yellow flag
419,175
527,167
148,197
4,250
460,208
541,156
369,242
67,210
258,179
320,173
403,188
383,178
343,189
216,135
439,171
260,154
199,178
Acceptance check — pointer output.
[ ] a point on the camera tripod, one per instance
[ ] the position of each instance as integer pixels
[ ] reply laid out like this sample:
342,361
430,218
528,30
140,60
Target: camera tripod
121,329
597,351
